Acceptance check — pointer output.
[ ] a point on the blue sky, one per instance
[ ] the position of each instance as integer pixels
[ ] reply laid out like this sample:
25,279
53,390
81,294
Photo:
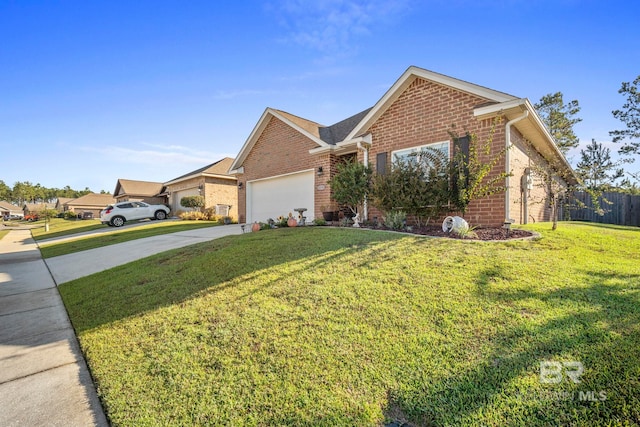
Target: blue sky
95,91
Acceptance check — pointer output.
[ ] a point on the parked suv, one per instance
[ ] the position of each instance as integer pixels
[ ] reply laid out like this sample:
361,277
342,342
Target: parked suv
117,214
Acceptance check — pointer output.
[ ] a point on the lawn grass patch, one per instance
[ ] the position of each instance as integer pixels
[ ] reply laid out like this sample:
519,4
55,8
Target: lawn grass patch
3,233
83,243
59,227
318,326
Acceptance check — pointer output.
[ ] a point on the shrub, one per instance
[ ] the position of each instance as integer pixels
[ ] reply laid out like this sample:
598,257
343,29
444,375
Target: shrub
351,184
395,220
319,221
70,215
192,202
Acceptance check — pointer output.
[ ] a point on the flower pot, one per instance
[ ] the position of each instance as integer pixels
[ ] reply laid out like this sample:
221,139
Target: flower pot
328,216
292,222
255,227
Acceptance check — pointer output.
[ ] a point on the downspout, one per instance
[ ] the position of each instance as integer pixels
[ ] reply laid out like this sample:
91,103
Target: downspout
507,163
365,148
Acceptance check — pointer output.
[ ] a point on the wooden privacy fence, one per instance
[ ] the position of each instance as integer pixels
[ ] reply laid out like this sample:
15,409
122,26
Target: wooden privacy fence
616,208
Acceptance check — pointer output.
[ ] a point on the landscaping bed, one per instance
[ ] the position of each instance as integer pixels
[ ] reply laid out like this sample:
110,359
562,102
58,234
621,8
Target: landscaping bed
485,233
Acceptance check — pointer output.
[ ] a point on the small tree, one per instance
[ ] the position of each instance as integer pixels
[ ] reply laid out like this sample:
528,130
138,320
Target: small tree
596,168
351,184
192,202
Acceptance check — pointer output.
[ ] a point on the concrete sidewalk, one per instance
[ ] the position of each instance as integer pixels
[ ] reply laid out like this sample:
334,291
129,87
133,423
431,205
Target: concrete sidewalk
73,266
44,379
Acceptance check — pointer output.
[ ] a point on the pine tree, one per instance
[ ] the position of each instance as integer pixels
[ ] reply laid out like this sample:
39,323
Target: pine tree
596,168
559,119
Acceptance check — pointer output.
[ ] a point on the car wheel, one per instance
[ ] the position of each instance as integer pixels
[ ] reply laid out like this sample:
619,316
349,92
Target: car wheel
160,215
117,221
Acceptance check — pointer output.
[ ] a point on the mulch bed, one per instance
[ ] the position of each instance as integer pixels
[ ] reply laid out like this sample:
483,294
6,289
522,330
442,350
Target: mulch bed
488,233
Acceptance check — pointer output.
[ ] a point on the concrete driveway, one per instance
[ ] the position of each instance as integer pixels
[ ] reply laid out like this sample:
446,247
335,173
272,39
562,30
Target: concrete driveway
73,266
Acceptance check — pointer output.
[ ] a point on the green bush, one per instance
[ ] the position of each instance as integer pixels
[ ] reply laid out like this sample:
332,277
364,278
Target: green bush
395,220
319,221
192,202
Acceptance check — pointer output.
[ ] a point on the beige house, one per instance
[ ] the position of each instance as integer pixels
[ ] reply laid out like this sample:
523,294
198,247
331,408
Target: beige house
91,203
35,208
140,191
213,182
8,210
61,204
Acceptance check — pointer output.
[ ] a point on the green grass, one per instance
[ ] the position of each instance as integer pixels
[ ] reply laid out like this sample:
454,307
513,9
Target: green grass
59,227
317,326
83,243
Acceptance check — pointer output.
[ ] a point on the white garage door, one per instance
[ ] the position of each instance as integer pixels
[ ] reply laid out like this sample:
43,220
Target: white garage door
272,197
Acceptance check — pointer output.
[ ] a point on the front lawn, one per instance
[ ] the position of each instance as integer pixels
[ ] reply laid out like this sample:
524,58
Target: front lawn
318,326
61,227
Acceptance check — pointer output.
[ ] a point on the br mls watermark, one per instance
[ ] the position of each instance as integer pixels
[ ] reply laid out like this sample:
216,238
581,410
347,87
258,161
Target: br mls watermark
553,372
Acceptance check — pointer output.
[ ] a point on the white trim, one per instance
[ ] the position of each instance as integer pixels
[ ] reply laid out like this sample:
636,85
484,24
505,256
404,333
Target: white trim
407,78
418,148
259,128
281,175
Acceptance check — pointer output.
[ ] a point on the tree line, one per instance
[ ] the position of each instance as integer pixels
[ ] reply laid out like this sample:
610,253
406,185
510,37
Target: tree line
27,192
596,168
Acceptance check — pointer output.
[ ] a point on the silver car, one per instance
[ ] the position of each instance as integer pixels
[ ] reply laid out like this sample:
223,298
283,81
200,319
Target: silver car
117,214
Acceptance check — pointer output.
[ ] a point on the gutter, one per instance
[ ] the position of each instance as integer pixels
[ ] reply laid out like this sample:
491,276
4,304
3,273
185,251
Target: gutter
364,143
507,162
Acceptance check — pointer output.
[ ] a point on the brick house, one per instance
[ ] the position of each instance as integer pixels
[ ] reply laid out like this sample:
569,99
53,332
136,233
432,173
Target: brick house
140,191
287,161
213,182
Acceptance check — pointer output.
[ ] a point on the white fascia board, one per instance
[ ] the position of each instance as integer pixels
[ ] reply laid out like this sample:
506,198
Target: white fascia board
309,135
248,144
521,105
257,131
408,77
342,145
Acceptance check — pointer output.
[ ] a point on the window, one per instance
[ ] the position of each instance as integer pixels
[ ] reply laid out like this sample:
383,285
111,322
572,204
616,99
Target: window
402,155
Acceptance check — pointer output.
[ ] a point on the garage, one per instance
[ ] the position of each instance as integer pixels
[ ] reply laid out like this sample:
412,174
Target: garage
178,195
273,197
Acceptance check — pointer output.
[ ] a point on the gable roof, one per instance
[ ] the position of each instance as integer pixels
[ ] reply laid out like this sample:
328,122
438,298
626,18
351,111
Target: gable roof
219,169
92,199
407,78
6,206
304,126
36,207
354,129
137,188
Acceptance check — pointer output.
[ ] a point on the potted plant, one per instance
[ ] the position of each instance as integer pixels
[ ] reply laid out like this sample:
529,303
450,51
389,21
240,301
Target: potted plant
330,212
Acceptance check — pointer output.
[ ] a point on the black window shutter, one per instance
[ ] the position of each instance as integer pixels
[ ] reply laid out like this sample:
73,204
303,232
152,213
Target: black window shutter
461,146
381,163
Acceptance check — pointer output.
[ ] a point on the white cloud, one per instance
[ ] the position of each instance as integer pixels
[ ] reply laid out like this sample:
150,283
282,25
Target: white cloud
332,26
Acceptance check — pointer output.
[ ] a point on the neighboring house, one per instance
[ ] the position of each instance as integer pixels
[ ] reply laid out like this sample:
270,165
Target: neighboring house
287,161
90,203
61,203
140,191
8,210
213,182
34,208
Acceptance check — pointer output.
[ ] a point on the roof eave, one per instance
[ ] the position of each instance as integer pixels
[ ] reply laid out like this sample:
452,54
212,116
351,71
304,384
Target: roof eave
407,78
540,138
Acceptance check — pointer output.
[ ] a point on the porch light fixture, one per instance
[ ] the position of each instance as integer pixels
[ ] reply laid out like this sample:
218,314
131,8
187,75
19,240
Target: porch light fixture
240,185
320,171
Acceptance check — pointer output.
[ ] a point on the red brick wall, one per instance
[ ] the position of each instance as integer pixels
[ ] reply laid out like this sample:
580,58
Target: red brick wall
280,150
424,114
